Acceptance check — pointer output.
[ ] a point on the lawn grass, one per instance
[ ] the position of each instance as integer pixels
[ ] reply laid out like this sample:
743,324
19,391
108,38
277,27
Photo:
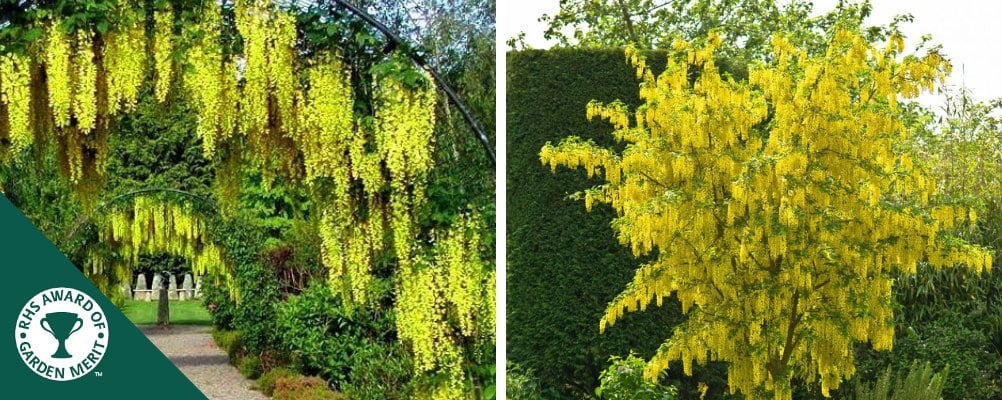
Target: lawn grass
182,312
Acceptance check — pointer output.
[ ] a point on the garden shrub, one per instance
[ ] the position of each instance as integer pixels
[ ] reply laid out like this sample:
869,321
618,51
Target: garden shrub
974,366
274,358
216,299
521,384
966,351
255,317
624,380
256,286
303,388
231,342
918,384
323,337
482,370
266,383
380,371
250,366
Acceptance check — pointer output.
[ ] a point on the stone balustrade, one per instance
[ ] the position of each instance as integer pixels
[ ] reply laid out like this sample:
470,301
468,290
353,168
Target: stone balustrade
190,289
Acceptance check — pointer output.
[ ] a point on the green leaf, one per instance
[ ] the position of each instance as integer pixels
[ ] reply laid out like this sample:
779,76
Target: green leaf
33,34
365,39
102,27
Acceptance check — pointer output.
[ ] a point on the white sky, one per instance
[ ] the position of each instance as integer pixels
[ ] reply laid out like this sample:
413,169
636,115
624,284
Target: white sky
969,30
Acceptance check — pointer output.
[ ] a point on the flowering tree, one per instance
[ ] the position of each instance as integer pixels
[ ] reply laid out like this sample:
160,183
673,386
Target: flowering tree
776,208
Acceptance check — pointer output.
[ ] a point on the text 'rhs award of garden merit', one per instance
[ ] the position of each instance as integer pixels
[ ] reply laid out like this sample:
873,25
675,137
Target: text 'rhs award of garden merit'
61,334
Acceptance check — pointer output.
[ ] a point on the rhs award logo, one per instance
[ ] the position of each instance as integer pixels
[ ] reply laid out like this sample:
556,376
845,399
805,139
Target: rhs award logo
61,334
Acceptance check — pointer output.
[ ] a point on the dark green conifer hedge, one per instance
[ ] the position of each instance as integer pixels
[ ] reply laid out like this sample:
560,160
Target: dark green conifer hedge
565,264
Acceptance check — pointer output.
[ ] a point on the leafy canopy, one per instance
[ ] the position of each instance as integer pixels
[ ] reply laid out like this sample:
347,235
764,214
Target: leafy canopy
744,25
776,209
276,93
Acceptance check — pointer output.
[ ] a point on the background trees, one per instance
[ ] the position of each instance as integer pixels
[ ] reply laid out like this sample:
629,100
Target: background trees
951,316
745,26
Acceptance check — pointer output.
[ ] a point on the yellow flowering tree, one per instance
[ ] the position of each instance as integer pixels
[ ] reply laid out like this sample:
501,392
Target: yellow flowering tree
445,306
275,93
145,226
776,209
278,95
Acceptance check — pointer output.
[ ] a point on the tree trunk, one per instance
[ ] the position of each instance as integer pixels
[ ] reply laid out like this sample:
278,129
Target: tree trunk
163,307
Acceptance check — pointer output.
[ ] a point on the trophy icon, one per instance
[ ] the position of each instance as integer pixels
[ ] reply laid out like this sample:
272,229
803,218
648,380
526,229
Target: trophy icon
61,326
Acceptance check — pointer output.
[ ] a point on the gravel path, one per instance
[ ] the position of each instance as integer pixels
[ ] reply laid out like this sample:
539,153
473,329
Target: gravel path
191,349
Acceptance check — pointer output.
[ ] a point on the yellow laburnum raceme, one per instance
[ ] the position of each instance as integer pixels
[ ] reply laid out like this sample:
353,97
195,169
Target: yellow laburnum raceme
15,93
84,83
163,46
252,24
211,80
152,226
270,88
349,246
326,128
282,80
421,309
58,70
123,64
325,132
405,126
776,209
441,305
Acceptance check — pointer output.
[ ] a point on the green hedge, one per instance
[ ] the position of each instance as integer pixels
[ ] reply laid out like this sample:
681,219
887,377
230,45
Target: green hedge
564,264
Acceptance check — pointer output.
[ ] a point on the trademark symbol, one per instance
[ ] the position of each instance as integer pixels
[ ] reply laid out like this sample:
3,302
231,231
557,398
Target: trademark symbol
98,373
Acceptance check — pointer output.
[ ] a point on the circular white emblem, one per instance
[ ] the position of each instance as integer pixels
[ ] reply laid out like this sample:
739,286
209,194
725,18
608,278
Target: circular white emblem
61,334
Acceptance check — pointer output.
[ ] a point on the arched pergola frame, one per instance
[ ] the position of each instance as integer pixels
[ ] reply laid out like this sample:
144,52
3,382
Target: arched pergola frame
396,41
84,219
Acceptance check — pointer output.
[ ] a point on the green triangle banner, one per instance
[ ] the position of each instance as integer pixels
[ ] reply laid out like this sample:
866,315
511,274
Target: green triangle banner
65,338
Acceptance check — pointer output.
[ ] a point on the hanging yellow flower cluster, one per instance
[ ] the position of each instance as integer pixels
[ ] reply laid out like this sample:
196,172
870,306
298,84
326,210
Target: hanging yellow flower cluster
15,104
252,18
438,307
212,81
778,238
84,83
107,274
445,303
123,63
163,46
270,87
326,131
349,247
58,70
87,77
405,124
421,311
152,226
72,76
282,81
335,151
